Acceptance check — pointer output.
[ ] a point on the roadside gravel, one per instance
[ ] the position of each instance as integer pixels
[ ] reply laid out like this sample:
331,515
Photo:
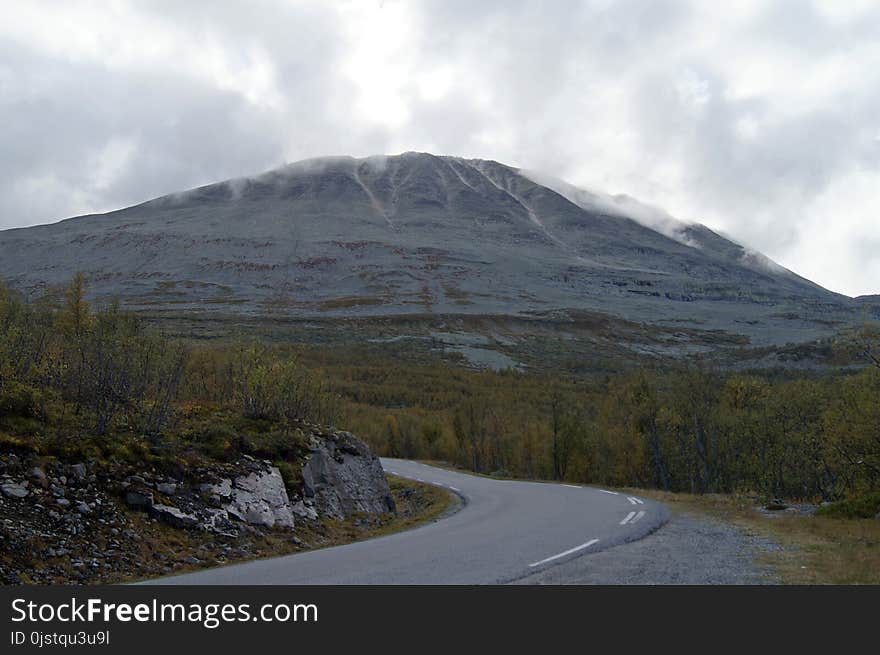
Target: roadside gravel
689,550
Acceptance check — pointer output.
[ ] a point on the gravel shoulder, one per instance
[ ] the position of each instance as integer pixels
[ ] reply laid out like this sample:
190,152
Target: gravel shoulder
689,549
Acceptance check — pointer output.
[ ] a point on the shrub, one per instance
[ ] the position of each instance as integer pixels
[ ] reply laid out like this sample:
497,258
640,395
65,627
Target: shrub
291,474
862,507
17,399
218,441
274,445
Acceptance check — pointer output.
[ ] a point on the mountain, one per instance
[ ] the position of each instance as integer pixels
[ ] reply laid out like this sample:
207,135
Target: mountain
419,234
869,306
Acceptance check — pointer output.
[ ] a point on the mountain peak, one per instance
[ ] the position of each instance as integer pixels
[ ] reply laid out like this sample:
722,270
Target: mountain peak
413,232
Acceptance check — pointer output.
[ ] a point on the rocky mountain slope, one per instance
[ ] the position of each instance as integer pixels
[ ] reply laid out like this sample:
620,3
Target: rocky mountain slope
418,234
102,521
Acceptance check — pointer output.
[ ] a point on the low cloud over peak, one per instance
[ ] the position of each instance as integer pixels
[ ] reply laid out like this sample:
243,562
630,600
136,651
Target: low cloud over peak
759,121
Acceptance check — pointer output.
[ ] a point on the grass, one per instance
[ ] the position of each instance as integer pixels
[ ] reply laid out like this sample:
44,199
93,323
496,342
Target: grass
417,503
815,549
491,476
864,507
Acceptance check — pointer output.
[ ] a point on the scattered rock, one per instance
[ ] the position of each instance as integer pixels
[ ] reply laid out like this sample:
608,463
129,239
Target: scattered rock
62,502
222,489
217,520
83,508
778,508
304,511
139,499
12,489
38,475
78,471
173,516
166,488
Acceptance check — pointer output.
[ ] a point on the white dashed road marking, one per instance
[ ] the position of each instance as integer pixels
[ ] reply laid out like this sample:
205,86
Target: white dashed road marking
564,553
605,491
638,516
571,486
632,501
628,517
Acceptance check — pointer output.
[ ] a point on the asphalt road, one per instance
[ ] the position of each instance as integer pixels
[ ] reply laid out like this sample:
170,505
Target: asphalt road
505,531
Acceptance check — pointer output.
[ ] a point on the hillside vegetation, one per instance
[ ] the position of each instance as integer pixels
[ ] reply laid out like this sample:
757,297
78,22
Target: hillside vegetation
692,429
74,379
76,383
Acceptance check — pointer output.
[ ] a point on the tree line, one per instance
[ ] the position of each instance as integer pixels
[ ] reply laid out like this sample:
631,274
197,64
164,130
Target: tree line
690,427
70,371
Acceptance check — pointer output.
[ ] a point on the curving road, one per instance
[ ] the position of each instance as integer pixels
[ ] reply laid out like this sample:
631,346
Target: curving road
505,531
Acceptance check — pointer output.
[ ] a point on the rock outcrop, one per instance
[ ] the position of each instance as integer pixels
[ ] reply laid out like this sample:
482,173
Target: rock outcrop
218,499
340,478
91,517
343,477
258,496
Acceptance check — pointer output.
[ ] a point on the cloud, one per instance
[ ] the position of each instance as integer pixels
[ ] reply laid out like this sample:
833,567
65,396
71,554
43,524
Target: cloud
759,119
619,205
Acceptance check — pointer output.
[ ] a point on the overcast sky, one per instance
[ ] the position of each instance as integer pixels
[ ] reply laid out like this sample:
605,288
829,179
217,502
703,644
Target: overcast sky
762,120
